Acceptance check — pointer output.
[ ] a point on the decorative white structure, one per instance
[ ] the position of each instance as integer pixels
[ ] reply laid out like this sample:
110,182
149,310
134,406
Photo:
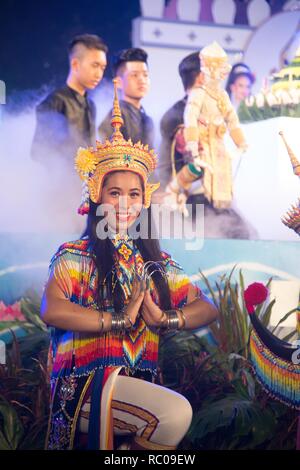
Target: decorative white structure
258,11
169,41
152,8
279,31
188,10
223,12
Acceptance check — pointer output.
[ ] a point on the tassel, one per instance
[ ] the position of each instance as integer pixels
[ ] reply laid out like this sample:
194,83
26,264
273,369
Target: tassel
84,207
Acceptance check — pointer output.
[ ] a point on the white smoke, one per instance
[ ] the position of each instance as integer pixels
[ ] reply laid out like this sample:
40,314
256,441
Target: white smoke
38,198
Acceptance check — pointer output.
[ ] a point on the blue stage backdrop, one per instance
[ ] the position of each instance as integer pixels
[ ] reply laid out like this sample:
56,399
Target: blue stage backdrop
24,260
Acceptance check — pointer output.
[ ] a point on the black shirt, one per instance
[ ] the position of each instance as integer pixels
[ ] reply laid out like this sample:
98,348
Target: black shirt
65,121
168,126
137,125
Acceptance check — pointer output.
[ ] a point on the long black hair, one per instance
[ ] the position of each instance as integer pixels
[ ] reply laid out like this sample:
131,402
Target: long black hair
103,250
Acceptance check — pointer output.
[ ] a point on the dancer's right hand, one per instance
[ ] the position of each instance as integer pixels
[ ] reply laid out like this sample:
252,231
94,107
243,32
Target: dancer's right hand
136,299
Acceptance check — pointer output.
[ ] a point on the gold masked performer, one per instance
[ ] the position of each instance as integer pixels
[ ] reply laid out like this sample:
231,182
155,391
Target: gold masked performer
208,115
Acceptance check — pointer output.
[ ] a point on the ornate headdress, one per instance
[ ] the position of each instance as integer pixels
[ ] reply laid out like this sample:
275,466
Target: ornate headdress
292,218
118,154
213,58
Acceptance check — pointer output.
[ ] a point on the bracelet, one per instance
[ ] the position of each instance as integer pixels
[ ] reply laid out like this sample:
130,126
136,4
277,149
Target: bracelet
172,321
118,323
101,317
162,318
183,317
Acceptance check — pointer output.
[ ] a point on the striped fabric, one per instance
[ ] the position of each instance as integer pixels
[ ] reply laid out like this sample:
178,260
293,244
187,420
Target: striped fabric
280,378
74,269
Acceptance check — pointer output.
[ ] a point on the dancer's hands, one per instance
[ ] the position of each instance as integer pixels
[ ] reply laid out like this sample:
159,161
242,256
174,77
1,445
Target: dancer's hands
136,299
151,313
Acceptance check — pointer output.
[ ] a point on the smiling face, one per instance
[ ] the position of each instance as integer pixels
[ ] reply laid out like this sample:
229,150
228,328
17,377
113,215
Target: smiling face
122,192
241,88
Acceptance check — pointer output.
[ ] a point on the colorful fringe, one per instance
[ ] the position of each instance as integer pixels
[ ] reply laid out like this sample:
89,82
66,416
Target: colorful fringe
74,269
279,378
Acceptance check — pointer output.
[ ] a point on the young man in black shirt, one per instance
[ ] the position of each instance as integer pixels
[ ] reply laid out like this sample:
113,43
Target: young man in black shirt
131,70
66,117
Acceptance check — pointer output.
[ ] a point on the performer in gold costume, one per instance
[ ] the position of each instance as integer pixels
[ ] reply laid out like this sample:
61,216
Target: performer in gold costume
208,115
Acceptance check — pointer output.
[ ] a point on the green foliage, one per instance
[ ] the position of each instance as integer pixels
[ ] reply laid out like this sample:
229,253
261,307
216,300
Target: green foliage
30,307
231,410
232,331
24,385
12,430
24,397
254,113
249,426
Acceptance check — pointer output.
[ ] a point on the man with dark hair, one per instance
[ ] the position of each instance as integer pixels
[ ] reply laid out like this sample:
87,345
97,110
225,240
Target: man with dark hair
131,70
189,71
66,118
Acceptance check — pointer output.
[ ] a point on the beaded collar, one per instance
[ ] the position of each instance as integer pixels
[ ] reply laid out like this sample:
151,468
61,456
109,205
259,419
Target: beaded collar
128,262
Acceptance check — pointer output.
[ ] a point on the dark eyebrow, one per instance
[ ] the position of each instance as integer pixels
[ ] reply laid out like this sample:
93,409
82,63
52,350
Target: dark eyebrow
120,189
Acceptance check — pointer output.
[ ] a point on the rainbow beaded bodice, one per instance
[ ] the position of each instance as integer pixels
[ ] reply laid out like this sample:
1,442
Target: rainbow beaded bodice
75,271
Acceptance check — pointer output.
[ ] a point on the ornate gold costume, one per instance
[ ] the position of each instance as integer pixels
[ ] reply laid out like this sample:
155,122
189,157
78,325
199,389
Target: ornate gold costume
208,115
209,110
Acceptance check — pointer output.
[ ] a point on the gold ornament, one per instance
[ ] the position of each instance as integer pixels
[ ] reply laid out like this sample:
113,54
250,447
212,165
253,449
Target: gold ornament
116,154
85,162
295,163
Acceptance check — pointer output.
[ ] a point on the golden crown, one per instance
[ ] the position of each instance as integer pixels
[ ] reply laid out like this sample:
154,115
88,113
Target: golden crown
116,154
295,163
292,218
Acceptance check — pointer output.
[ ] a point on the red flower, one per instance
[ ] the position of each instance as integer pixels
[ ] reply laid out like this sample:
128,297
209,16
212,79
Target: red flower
255,294
11,312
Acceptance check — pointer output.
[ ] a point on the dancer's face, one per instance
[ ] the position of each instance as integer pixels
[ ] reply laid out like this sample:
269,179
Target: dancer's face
123,193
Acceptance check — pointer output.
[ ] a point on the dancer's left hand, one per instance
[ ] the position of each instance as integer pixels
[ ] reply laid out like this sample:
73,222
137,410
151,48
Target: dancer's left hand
151,313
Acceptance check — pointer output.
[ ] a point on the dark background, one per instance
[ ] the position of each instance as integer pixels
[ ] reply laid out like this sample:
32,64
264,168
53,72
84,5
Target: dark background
34,35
